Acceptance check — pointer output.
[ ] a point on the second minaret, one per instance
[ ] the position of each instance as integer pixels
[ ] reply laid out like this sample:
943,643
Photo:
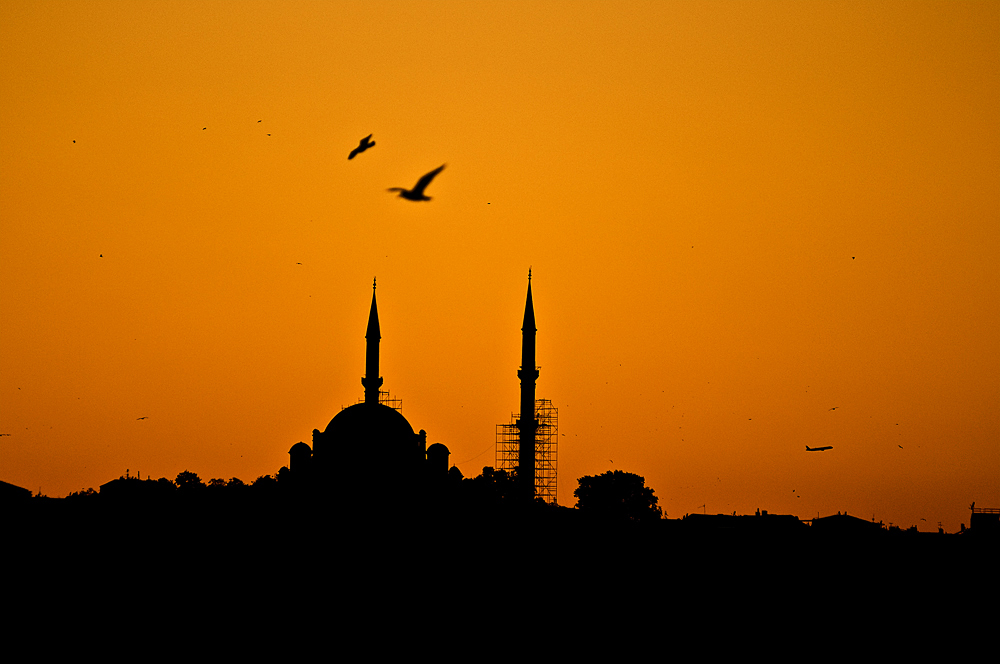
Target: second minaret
527,424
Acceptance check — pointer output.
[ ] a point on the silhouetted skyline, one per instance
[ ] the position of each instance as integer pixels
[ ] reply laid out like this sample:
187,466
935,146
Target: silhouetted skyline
752,229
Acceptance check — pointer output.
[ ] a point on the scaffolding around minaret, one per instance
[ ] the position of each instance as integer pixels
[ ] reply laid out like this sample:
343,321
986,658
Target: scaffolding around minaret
546,444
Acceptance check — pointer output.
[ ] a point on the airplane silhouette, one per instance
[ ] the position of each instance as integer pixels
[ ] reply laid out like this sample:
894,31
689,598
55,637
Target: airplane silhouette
362,146
417,193
819,449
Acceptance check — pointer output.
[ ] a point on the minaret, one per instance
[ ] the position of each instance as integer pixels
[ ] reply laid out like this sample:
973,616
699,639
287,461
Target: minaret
372,381
527,424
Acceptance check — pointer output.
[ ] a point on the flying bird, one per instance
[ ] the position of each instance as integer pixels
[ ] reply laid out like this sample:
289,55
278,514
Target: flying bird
362,146
417,193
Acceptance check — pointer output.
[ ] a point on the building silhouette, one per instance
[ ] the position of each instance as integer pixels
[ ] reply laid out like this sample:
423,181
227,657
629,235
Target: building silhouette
984,521
369,443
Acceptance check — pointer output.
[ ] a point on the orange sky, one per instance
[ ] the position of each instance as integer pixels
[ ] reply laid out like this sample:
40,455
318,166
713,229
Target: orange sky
738,216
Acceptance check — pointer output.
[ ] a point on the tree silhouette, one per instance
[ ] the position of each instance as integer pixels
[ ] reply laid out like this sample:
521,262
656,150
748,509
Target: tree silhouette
283,476
82,494
492,487
188,482
618,496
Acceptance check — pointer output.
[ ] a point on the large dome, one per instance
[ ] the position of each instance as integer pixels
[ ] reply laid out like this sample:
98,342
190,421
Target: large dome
370,432
368,420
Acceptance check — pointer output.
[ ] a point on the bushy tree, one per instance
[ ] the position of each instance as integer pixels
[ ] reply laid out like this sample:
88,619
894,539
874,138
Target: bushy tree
491,487
187,481
264,482
618,496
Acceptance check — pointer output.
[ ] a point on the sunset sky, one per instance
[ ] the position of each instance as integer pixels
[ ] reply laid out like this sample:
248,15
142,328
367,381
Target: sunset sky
751,227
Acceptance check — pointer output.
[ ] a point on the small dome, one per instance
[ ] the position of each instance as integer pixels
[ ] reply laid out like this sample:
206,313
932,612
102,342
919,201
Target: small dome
437,460
300,449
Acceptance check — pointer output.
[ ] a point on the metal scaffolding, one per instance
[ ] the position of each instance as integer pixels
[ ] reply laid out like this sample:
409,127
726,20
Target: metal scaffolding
386,400
546,442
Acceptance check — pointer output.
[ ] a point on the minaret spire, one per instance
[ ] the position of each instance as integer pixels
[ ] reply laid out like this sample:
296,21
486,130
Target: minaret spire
372,381
527,424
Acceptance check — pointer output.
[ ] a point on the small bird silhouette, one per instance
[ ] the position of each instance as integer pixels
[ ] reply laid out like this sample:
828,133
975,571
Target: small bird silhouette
417,193
362,146
144,417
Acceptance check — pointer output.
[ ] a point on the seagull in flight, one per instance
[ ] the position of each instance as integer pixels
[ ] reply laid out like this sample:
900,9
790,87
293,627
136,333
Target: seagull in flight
417,193
365,143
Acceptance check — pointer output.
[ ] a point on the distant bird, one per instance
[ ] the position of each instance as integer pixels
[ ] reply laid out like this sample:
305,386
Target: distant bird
835,408
144,417
417,193
362,146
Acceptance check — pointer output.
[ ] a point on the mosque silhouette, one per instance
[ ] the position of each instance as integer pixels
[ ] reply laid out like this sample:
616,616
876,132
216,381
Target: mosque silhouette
373,434
369,434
